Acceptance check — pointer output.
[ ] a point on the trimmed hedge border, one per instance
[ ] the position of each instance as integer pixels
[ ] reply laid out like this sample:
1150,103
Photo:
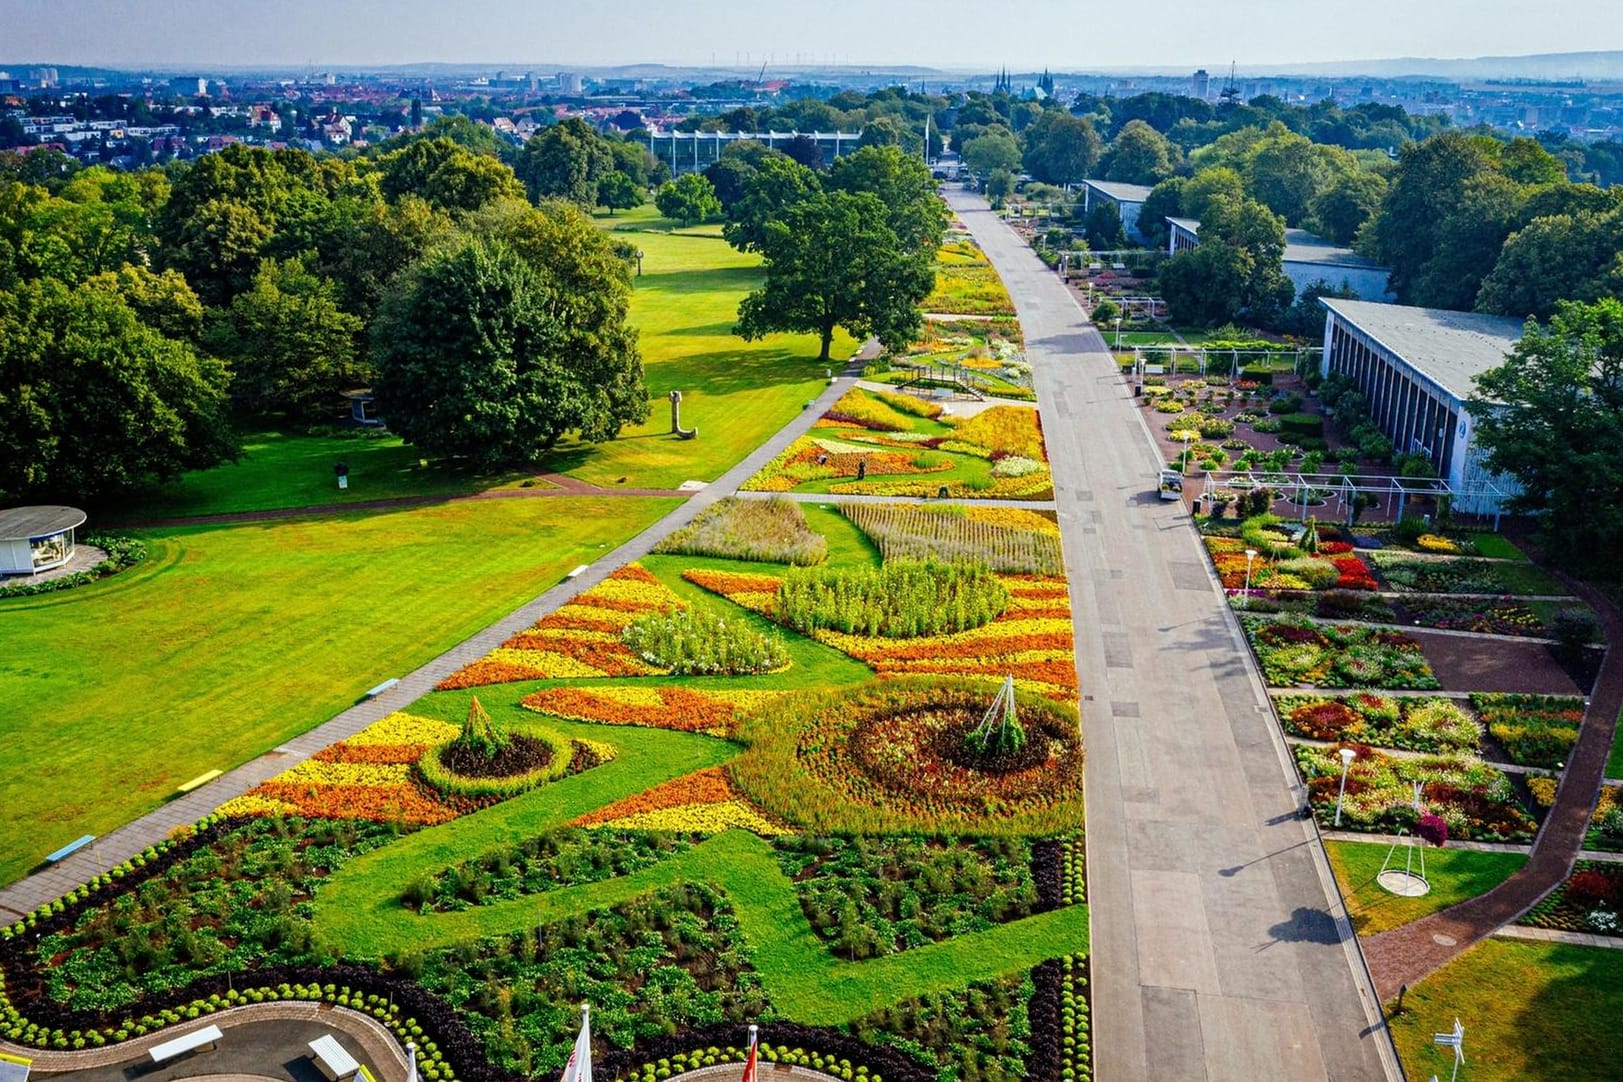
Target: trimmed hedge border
122,552
827,1050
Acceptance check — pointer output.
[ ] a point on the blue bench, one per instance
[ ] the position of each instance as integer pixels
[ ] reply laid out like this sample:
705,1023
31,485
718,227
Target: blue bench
71,848
381,688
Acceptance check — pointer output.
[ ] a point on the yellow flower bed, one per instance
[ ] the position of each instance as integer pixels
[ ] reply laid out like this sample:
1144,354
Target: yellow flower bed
253,804
1430,542
1013,518
404,729
604,752
647,595
316,772
1011,429
545,663
700,819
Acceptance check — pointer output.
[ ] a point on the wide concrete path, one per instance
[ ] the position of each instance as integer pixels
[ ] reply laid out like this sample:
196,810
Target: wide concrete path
1220,947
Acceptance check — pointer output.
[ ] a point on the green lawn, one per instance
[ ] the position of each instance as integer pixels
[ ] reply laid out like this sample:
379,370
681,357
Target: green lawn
281,470
1531,1011
1497,546
230,640
1614,762
1455,875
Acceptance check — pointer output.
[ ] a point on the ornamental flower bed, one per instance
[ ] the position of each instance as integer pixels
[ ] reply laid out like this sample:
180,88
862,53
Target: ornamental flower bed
1505,616
1030,641
1589,901
1534,730
1409,723
580,639
1476,801
1015,541
368,777
704,802
1322,571
1294,652
892,755
712,712
1606,825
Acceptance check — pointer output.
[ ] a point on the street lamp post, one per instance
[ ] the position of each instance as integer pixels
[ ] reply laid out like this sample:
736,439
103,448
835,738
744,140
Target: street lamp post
1118,333
1245,601
1347,756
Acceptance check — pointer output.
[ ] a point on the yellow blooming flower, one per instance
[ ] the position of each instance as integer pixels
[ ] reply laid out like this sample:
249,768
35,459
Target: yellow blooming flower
401,728
249,804
316,772
701,819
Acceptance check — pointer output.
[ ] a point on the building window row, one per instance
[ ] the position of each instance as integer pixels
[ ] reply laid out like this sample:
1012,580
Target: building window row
1415,419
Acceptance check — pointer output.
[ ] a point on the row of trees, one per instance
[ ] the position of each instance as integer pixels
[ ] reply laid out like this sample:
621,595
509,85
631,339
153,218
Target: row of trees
139,313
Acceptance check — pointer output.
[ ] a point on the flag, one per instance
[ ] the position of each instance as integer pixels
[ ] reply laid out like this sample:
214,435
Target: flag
749,1062
579,1067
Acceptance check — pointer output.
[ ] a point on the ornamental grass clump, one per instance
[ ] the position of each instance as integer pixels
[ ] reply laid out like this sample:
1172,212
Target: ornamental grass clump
698,642
763,531
951,535
903,599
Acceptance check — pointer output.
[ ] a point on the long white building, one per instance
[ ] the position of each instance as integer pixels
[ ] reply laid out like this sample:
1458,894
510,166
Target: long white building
1417,367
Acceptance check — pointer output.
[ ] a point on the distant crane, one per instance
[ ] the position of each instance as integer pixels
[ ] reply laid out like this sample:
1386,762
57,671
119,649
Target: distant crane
1231,91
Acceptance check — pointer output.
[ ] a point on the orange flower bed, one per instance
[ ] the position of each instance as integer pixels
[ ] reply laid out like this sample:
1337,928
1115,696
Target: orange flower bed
376,754
707,786
576,641
486,671
377,803
733,582
682,710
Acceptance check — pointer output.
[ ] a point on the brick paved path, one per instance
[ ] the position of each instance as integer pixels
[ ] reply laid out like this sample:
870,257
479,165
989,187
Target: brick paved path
44,886
1405,955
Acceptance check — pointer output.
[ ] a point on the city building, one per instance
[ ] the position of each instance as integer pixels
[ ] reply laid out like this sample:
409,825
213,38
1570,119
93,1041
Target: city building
1417,367
1308,259
1200,85
1128,200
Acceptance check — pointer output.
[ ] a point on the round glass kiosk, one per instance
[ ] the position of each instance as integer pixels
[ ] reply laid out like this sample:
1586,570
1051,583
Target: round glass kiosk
35,539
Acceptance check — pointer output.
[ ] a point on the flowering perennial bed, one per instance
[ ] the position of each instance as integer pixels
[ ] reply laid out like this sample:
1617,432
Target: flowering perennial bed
712,712
366,777
704,802
1295,652
1330,569
1477,801
1589,901
1535,730
1031,640
580,639
1409,723
1015,541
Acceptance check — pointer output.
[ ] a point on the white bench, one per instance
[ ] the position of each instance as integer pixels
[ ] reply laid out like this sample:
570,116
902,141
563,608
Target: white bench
208,1036
330,1056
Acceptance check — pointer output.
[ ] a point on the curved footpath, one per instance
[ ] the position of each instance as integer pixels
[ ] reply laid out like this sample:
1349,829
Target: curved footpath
1405,955
1221,950
43,886
377,1045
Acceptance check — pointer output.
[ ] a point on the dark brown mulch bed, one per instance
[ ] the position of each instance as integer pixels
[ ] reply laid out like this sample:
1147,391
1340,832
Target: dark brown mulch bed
1495,664
522,755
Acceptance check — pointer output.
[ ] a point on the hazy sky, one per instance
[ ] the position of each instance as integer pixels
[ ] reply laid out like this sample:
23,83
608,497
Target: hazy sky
984,34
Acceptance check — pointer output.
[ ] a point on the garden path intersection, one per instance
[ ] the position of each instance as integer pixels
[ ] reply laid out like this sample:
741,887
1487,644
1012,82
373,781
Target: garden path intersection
1220,946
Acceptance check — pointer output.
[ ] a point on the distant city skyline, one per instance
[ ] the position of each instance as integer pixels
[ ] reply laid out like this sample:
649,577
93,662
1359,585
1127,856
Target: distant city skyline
953,34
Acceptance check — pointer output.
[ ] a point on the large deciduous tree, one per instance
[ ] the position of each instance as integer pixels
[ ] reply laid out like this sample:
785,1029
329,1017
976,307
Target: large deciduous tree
93,401
903,183
1061,149
832,260
1235,270
566,161
291,346
1139,155
1549,417
992,150
687,199
473,359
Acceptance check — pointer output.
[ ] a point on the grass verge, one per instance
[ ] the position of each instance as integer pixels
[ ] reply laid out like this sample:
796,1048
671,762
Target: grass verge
1455,875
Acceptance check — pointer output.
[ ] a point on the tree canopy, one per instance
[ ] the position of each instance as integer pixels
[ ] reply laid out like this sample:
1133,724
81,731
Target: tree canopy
472,360
93,401
1549,417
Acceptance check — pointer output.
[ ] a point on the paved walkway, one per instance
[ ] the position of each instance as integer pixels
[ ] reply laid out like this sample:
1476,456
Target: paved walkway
1404,955
44,886
1221,950
376,1046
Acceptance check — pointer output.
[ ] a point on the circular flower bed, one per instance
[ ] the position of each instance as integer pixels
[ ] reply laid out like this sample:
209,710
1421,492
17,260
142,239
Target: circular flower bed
893,753
529,757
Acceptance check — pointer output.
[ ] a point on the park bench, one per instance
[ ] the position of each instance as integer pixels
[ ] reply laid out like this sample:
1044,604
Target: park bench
373,693
330,1056
207,1037
578,572
71,848
199,781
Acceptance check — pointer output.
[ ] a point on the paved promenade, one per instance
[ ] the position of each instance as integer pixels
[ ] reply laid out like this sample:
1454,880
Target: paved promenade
1220,948
35,890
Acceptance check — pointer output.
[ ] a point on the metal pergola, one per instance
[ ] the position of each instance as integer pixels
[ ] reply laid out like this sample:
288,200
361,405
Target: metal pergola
1153,360
1338,491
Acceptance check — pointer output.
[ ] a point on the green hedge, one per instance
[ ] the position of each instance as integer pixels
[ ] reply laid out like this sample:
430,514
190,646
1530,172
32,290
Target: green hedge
1302,424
